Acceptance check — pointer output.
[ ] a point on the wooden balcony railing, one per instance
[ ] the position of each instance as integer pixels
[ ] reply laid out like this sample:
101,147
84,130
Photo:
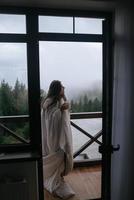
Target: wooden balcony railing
92,139
14,119
25,118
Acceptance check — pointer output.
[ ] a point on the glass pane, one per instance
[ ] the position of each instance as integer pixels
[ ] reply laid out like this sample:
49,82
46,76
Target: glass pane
13,91
12,23
88,25
55,24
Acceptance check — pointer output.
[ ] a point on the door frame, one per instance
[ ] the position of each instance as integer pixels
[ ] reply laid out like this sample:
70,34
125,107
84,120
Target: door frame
108,72
32,39
106,39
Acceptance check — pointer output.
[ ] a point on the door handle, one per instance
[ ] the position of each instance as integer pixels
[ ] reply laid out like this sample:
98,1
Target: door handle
109,148
116,148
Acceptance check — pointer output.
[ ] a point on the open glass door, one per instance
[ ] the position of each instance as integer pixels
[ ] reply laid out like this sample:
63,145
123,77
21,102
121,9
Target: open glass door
78,63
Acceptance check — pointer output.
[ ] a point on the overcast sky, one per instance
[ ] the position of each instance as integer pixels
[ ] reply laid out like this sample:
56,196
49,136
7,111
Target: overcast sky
13,63
77,65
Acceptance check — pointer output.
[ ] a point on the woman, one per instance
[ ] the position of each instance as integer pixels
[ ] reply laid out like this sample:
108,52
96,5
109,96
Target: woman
56,141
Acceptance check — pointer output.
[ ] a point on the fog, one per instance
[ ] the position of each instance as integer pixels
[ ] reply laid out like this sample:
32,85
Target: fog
78,65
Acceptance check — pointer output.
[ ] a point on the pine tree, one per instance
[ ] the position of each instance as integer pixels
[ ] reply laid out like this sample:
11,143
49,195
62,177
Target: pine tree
80,105
85,104
90,106
20,98
72,105
6,99
96,105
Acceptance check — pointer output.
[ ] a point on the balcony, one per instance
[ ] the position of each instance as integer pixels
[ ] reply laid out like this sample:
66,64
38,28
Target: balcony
81,155
87,168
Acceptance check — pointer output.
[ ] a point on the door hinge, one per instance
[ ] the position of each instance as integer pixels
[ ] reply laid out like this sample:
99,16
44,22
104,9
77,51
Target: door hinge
109,148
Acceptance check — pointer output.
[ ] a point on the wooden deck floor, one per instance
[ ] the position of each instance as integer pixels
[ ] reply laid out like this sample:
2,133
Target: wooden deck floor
85,181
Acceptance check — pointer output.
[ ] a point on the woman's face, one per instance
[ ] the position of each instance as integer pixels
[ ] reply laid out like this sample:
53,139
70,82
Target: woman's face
62,91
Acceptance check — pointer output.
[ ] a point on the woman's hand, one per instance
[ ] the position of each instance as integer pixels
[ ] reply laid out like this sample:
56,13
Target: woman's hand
64,106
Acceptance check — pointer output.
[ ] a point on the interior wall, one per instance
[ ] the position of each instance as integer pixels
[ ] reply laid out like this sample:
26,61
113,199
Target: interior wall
123,109
19,180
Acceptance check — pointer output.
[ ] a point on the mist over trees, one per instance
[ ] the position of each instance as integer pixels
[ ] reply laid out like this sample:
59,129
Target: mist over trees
87,99
84,104
83,100
14,101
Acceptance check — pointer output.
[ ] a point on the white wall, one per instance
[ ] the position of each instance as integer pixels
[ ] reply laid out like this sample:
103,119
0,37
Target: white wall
123,120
